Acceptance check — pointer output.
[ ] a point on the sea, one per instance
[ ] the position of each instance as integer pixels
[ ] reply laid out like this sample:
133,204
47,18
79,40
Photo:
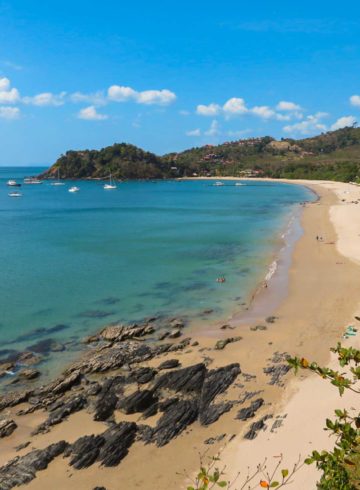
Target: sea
71,263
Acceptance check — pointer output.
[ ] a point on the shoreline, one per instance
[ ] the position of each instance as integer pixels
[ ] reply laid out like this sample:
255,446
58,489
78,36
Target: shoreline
293,331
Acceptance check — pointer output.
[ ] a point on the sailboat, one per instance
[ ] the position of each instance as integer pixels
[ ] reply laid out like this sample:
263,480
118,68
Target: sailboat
110,185
57,182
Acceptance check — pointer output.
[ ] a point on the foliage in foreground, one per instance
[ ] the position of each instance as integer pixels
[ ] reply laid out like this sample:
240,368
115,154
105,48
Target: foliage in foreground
340,467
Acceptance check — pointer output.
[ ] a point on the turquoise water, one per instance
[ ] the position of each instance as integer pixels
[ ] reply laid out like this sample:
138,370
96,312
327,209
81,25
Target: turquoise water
91,258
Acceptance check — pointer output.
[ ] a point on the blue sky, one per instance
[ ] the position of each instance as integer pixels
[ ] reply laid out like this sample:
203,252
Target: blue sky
165,77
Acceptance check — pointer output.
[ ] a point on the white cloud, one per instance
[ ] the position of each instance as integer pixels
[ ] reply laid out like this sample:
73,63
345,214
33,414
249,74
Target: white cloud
4,83
311,124
208,110
8,95
184,113
9,112
284,105
214,129
96,98
343,122
235,105
119,93
355,100
90,114
263,111
193,132
46,99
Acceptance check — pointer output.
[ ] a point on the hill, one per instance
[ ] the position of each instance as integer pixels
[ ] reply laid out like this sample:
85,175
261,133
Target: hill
333,156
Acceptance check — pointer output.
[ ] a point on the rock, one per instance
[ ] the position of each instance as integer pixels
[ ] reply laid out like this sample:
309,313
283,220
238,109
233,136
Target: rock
109,448
66,408
137,402
99,488
258,327
216,382
6,367
27,358
12,399
213,412
45,346
61,384
22,446
22,470
256,427
120,333
226,327
169,364
195,343
271,319
208,311
29,374
108,397
276,373
7,427
142,375
186,380
118,440
85,451
212,440
249,412
174,334
164,335
222,343
174,420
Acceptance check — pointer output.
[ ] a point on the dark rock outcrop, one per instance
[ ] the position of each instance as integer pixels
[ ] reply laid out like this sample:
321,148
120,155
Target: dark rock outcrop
66,408
213,412
109,448
22,470
249,412
139,401
186,380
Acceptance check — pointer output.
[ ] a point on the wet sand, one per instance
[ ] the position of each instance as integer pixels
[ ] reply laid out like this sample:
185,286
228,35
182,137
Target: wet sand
322,295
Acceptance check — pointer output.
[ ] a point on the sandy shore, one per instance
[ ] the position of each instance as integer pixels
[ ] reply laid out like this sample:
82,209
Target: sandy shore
323,295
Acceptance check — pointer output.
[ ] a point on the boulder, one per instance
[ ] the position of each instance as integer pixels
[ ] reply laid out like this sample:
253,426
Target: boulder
7,427
186,380
222,343
249,412
169,364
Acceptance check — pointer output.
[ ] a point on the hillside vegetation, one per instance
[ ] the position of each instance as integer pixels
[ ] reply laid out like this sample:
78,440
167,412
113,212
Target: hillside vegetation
333,156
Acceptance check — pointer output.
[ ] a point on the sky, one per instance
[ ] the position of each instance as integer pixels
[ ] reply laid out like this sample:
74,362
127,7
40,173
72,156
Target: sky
167,76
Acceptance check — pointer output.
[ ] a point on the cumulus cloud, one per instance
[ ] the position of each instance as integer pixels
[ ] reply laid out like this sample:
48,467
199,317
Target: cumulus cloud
90,114
193,132
46,99
355,100
9,112
235,105
284,105
208,110
263,111
311,124
343,122
8,95
119,93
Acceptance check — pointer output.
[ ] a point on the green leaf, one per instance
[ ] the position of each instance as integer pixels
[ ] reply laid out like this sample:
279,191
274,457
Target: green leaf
284,473
274,484
222,484
309,461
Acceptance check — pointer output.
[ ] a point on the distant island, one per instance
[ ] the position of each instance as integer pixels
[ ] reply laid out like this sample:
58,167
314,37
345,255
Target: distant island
333,155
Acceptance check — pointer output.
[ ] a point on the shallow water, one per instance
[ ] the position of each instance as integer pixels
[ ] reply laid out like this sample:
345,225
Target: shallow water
91,258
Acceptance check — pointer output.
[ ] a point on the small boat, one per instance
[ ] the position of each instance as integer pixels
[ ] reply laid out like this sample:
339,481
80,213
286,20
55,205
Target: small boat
32,180
15,194
13,183
74,189
239,183
110,185
58,182
218,183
